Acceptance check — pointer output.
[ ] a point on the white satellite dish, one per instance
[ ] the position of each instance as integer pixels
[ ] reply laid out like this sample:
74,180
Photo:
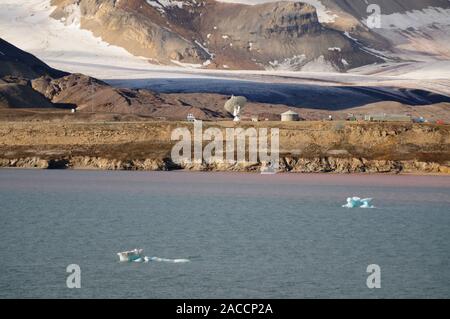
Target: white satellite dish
234,106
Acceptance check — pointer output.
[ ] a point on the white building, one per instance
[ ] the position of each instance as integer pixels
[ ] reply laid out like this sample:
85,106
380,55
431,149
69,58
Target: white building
290,116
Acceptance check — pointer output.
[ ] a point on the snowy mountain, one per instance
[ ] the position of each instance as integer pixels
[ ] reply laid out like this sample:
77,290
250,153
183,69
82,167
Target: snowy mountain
212,34
309,35
27,82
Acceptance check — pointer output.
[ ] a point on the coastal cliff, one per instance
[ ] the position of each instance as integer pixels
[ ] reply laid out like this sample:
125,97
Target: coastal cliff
307,147
293,165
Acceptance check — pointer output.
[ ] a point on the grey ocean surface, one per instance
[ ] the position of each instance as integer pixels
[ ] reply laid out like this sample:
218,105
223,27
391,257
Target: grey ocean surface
246,235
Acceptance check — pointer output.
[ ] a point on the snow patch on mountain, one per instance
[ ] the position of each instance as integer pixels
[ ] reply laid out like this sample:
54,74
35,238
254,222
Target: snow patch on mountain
188,65
288,64
324,15
161,4
422,35
415,18
334,49
73,15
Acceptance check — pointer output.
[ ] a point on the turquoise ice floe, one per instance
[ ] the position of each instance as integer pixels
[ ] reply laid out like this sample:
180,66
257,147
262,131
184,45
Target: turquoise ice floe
137,256
131,255
354,202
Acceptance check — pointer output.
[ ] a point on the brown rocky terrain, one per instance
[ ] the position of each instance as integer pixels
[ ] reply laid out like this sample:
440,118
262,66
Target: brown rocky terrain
340,147
33,84
219,35
115,128
274,35
18,93
28,83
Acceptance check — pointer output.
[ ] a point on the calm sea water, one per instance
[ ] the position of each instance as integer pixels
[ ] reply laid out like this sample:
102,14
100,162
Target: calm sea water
246,235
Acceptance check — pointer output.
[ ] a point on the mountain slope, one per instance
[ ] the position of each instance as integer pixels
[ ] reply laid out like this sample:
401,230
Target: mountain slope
17,67
102,37
218,35
27,82
18,63
21,95
415,29
311,35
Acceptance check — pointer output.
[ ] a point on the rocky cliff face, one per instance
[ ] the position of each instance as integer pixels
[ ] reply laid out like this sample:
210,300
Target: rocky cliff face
211,34
305,147
288,165
279,35
142,27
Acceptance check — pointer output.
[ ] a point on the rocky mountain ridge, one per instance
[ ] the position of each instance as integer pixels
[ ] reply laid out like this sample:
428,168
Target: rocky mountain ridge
212,34
251,34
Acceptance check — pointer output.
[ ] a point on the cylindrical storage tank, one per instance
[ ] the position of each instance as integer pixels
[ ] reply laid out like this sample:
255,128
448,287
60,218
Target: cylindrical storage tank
289,116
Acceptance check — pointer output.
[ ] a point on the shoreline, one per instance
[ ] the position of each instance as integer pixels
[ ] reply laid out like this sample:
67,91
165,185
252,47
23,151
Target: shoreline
305,147
154,165
430,174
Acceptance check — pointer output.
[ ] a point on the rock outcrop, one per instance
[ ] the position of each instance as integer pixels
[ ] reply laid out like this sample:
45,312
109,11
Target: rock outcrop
287,165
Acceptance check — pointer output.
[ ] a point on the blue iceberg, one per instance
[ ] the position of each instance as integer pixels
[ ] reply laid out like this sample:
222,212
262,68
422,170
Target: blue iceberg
353,202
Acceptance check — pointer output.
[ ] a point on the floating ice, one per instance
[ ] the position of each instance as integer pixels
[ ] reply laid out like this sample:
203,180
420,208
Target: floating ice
136,256
131,255
353,202
158,259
